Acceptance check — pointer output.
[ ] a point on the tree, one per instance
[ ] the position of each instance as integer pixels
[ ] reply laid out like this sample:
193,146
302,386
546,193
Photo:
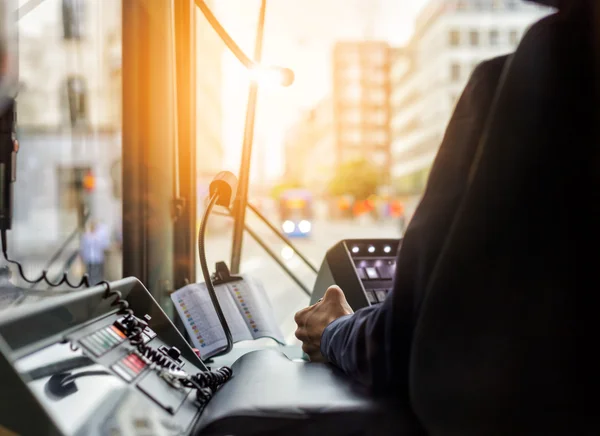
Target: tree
358,178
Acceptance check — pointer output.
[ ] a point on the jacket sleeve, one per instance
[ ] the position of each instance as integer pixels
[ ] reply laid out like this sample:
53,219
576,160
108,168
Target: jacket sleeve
373,345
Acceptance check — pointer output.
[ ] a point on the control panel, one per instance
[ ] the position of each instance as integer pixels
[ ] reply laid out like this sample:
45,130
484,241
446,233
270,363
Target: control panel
78,358
363,268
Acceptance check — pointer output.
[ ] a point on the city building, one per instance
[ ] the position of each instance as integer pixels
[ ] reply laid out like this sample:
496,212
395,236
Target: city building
361,102
353,123
428,75
69,118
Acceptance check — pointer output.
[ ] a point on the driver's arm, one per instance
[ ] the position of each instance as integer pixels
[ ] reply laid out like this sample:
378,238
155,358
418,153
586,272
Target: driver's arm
373,344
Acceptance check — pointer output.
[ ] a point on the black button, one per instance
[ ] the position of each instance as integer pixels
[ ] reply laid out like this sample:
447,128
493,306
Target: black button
174,353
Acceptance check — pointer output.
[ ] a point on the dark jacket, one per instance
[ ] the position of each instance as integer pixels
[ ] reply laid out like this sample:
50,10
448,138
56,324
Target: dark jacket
373,345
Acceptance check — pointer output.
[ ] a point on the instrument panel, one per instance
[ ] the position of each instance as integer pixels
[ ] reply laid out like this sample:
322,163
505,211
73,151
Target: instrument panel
89,379
363,268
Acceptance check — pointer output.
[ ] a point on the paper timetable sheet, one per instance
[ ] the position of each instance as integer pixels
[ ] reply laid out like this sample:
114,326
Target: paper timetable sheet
246,308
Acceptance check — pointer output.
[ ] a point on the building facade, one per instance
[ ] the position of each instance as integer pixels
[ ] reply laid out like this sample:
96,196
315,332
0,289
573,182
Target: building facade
361,102
352,123
69,118
428,75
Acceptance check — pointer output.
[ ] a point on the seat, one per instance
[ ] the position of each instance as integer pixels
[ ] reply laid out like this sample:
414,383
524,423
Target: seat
272,395
505,339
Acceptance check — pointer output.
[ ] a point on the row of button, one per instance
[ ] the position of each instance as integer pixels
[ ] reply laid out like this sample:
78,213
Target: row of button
376,273
129,367
377,295
103,340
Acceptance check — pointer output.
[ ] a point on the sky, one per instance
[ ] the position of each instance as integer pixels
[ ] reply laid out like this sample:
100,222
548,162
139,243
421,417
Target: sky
299,34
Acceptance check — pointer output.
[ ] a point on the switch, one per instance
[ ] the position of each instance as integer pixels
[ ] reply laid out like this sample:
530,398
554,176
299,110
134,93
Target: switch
372,273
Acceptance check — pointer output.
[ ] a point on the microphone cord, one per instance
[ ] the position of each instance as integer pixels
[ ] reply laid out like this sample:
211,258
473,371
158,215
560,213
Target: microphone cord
206,274
64,279
204,382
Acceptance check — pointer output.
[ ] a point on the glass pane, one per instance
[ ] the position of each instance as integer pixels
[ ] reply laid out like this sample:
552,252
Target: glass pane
337,121
67,197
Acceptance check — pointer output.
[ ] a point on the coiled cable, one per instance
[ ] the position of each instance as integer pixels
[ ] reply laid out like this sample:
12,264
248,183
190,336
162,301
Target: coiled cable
205,383
64,280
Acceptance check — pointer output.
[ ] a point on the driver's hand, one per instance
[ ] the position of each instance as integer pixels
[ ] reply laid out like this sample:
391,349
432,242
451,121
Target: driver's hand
313,320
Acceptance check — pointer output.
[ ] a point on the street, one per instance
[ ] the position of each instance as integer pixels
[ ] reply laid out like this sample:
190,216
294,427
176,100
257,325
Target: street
287,297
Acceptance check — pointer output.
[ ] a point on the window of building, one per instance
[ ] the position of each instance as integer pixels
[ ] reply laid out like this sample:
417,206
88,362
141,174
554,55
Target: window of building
377,76
377,96
77,100
377,56
454,38
455,72
352,117
72,17
494,37
513,37
474,38
378,118
352,136
352,93
352,74
378,137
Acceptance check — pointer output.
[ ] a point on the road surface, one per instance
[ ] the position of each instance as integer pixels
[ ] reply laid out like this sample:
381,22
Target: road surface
285,295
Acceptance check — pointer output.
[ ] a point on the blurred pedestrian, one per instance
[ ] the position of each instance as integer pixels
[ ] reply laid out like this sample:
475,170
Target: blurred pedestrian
94,243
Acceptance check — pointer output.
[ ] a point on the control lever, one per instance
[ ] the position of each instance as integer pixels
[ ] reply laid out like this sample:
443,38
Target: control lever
173,353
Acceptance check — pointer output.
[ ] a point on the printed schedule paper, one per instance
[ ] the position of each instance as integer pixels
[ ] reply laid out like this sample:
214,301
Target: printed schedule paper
245,305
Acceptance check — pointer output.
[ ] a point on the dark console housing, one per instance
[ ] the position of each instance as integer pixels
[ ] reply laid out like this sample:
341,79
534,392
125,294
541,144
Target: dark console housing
363,268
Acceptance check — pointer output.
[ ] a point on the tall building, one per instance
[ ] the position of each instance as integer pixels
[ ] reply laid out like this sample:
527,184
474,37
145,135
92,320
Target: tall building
353,123
428,75
361,101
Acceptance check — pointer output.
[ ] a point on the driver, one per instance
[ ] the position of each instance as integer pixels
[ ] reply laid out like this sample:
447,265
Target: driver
373,344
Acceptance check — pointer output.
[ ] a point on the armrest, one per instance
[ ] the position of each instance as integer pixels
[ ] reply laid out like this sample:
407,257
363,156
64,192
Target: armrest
269,394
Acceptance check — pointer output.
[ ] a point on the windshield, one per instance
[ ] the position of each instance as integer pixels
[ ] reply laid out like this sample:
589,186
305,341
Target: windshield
348,146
